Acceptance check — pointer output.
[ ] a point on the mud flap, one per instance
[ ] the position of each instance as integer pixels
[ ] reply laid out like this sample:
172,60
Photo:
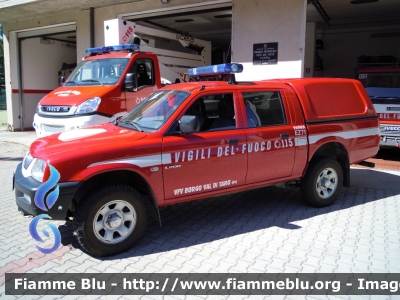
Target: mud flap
366,164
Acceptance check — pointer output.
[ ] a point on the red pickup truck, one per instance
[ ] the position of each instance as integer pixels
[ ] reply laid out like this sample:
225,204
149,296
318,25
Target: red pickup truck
201,139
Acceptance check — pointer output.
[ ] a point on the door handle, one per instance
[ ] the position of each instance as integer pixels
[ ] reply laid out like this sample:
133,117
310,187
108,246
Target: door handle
285,135
233,141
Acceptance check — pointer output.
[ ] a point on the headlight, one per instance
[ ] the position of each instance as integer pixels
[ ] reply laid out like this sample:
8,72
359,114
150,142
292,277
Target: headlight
27,160
38,107
38,169
88,106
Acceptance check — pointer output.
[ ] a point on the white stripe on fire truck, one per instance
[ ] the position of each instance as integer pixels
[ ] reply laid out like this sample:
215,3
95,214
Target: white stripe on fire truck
382,108
158,159
344,134
141,161
300,141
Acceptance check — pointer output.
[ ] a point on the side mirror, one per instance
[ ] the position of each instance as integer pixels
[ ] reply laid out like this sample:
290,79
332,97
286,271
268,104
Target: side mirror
61,80
130,82
189,124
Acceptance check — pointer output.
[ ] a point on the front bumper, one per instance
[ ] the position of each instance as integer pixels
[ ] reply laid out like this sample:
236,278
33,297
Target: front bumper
390,135
25,190
390,141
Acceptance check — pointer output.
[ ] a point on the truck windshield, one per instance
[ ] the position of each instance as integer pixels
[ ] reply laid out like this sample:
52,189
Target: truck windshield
382,87
382,80
154,111
97,72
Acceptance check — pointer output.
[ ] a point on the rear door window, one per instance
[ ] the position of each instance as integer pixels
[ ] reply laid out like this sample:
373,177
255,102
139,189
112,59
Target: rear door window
264,108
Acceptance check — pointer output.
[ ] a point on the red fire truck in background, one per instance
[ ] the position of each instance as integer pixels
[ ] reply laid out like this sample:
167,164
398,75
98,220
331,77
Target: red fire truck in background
99,90
380,75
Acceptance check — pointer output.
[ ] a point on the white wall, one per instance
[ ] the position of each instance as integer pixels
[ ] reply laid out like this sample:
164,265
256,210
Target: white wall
40,71
40,64
342,47
268,21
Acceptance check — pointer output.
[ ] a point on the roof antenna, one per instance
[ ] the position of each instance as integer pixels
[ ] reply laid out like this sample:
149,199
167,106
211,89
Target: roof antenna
229,49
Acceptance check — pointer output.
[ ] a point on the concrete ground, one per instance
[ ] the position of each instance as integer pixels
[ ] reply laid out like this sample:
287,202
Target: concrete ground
268,230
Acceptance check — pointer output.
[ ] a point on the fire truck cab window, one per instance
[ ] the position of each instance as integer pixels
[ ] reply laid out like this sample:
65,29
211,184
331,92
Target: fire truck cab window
215,112
143,68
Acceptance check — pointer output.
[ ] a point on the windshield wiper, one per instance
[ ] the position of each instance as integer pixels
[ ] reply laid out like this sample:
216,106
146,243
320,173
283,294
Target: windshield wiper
91,80
71,81
134,124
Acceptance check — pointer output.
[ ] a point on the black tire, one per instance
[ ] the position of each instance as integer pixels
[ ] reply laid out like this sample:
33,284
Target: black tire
121,220
321,186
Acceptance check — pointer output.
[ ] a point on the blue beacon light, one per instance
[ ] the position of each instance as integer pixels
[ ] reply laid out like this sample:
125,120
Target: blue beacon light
106,49
216,70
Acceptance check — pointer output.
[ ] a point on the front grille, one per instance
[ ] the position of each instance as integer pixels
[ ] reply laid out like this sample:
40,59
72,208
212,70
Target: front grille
55,109
390,130
53,129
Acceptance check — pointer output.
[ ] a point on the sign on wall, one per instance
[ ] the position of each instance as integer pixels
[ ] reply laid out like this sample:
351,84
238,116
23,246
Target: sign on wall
265,54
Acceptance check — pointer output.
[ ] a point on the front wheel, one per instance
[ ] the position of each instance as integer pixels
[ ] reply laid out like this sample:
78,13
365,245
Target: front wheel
110,220
321,185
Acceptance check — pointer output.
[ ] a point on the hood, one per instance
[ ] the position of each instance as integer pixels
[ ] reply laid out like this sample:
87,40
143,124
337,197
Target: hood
83,140
74,95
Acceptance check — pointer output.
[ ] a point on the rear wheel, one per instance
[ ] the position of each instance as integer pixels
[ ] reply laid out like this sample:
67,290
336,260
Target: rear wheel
322,183
110,220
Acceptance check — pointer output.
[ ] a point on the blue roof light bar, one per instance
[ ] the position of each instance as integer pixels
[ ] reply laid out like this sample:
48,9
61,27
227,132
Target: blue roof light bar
216,70
106,49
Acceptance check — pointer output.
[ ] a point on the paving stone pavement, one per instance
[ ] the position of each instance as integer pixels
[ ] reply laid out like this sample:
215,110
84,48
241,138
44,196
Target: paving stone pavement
267,230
